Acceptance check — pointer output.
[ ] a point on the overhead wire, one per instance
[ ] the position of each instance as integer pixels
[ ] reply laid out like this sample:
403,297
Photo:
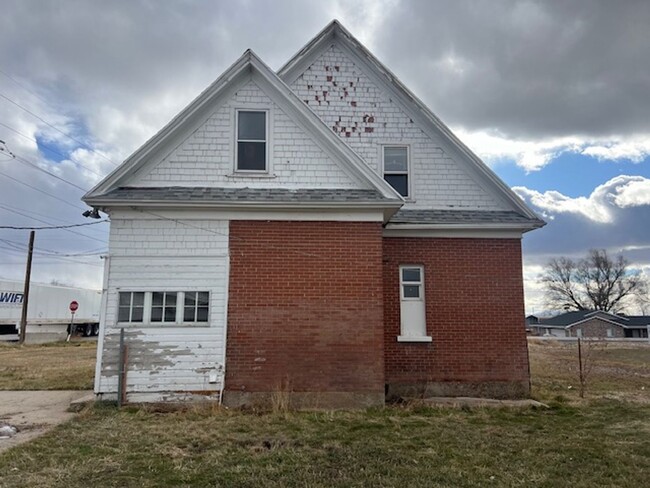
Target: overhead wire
56,128
49,148
66,229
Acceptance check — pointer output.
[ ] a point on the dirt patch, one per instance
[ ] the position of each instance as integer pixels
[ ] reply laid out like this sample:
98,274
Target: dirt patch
34,412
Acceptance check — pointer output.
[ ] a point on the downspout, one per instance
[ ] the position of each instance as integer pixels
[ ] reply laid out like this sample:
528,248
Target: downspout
102,325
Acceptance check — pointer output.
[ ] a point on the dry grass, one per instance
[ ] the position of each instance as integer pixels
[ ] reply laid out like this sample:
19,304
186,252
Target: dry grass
604,443
579,443
620,370
57,366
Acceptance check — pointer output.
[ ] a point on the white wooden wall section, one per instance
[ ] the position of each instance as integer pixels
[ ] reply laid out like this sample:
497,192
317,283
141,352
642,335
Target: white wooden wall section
206,158
151,254
365,117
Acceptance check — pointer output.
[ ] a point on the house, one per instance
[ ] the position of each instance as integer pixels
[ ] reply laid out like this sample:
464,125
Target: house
592,324
315,232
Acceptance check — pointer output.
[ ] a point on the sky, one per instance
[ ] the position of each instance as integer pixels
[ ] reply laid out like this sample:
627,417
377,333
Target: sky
554,96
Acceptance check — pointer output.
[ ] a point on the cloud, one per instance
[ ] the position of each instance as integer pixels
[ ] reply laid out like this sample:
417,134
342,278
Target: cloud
599,207
533,155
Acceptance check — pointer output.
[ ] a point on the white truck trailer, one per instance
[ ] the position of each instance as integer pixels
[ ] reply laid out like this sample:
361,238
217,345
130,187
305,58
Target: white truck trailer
48,312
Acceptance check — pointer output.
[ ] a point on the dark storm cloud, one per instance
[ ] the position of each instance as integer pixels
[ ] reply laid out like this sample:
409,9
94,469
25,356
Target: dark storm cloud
526,69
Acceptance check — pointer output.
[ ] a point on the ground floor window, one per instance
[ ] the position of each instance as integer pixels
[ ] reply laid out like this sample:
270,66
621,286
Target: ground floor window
163,307
412,304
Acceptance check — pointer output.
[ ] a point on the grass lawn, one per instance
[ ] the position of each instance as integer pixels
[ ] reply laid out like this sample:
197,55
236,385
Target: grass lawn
606,443
603,440
56,366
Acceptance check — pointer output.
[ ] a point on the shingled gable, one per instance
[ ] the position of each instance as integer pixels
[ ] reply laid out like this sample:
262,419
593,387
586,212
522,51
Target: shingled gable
334,34
118,188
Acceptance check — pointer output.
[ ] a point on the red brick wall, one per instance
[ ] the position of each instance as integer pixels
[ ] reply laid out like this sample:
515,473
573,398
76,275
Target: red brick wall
474,312
305,307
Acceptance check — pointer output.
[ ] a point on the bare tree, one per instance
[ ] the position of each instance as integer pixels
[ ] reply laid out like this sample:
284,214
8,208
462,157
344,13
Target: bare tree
596,282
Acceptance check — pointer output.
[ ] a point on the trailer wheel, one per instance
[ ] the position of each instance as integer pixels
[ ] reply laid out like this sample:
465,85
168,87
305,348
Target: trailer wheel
95,329
88,330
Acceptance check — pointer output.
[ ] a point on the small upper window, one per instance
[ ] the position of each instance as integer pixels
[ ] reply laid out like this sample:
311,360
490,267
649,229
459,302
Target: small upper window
396,168
251,140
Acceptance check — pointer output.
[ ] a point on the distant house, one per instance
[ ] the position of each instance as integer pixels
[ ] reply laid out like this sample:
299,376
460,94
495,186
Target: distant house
315,230
589,323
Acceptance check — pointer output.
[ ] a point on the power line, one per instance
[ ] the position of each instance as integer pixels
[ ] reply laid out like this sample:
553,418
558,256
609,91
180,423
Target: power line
10,208
41,191
56,128
54,257
47,252
50,149
38,168
24,87
228,235
103,241
53,226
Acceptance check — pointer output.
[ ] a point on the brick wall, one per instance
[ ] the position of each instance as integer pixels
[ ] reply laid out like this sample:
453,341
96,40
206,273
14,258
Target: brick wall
597,328
305,312
474,311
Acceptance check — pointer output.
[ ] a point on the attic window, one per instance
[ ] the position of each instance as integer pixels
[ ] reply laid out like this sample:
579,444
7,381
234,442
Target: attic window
396,168
251,140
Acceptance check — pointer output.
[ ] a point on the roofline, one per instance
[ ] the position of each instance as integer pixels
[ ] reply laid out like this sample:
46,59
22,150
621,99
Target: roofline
487,225
625,326
335,30
99,202
249,60
606,313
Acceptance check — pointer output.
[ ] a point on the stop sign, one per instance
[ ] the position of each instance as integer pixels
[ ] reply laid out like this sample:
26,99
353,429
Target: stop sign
74,305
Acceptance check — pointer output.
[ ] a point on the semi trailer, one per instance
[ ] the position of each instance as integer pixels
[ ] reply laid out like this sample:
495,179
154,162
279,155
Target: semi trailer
48,311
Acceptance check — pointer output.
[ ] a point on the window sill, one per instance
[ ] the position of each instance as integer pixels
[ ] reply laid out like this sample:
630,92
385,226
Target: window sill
414,338
251,174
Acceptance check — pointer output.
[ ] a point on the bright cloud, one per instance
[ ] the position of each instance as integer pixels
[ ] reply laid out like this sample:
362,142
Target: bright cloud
533,155
619,192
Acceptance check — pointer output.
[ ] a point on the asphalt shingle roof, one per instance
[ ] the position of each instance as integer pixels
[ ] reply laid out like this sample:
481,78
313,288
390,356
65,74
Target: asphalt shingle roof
569,318
233,195
449,216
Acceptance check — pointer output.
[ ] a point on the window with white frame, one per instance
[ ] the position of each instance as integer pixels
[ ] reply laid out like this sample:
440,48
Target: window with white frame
131,306
412,304
251,140
196,306
396,168
164,307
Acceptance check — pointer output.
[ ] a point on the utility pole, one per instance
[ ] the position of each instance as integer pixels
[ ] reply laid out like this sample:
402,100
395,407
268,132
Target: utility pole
28,273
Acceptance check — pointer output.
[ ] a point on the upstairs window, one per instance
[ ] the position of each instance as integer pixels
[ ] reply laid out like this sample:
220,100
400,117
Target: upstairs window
396,168
251,141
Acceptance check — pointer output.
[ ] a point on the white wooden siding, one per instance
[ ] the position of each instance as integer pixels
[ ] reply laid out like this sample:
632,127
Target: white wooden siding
207,157
437,180
158,254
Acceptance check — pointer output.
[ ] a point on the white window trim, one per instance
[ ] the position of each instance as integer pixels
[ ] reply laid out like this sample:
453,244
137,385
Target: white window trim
267,151
421,298
409,172
180,308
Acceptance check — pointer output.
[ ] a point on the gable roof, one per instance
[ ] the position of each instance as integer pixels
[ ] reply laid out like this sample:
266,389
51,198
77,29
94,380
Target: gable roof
200,109
569,319
335,33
